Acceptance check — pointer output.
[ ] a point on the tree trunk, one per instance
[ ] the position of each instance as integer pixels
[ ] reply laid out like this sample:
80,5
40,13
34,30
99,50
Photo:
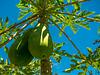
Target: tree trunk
46,67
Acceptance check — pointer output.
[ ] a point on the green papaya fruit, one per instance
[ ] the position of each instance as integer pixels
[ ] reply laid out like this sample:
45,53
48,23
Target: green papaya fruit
19,53
40,42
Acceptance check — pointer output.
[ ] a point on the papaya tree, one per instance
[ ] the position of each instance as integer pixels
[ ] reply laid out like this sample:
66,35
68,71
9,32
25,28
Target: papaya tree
33,44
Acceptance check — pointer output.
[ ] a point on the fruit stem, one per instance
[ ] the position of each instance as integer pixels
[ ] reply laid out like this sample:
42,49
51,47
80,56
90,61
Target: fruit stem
46,67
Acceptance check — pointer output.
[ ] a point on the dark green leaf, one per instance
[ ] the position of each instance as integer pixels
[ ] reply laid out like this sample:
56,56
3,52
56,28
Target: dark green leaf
81,73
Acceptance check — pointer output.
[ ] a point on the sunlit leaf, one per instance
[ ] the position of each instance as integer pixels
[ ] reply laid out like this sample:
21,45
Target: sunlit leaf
68,70
57,57
58,46
85,25
23,13
89,50
85,13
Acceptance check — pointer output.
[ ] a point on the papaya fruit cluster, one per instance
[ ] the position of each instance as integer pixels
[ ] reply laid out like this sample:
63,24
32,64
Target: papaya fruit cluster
40,43
35,42
19,53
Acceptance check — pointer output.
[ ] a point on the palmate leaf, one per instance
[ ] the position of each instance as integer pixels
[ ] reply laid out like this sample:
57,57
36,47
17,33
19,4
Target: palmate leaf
77,66
23,13
4,24
74,28
57,55
76,6
69,21
92,59
57,46
74,21
26,7
84,25
85,13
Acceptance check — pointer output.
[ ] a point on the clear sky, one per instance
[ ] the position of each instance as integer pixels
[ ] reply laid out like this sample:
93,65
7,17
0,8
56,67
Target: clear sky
82,39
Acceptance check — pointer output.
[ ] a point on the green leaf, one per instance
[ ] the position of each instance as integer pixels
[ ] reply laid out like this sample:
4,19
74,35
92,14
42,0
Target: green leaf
68,70
84,25
23,13
81,73
89,50
76,6
74,28
58,46
85,13
57,57
7,20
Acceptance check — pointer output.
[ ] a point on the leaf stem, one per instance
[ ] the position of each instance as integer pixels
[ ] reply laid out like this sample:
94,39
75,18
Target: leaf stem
67,37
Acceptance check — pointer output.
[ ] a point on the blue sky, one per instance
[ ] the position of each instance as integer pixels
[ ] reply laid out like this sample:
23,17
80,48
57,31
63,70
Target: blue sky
82,39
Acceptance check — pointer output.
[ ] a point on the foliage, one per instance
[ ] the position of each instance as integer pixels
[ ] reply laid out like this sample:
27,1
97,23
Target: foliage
93,59
55,13
10,69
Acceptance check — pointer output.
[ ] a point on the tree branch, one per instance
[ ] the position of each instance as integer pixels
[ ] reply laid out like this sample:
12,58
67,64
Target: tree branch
9,39
13,26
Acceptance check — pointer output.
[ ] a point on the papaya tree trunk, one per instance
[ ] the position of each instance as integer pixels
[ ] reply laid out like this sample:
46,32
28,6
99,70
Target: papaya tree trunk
46,67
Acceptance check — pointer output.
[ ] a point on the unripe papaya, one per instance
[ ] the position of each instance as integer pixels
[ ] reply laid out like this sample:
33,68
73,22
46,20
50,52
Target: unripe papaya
19,53
40,42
